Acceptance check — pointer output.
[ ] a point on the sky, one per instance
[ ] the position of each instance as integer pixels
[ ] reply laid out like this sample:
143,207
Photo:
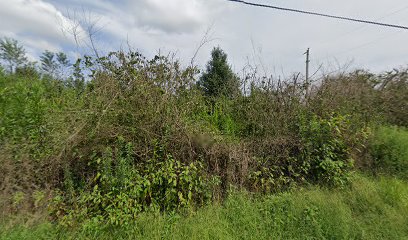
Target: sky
271,40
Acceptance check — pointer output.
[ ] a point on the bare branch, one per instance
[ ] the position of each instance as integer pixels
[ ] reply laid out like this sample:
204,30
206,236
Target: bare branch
84,28
206,39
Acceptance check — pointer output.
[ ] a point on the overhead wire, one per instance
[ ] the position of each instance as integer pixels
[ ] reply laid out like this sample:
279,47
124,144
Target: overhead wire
321,14
361,27
363,21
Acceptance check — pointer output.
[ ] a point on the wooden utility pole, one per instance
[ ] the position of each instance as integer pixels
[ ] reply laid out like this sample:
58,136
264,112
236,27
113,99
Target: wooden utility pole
307,70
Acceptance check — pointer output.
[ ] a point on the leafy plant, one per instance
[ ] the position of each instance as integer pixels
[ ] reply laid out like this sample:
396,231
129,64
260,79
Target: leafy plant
122,188
13,53
325,149
389,150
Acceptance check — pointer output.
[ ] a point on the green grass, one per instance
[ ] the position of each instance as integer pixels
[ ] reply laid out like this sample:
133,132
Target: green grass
390,150
369,209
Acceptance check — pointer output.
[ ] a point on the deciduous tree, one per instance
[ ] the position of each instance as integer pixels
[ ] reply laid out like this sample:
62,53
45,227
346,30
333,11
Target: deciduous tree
12,53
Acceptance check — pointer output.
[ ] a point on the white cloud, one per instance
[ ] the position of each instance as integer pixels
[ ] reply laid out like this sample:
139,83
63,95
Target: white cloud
173,16
36,23
169,16
178,25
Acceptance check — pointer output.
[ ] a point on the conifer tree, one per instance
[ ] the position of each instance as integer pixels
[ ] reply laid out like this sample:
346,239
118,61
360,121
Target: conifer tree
218,79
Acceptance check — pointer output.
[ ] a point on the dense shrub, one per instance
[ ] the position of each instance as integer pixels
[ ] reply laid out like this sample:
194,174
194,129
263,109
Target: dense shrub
394,96
122,188
353,94
35,118
326,151
140,136
321,156
389,149
25,137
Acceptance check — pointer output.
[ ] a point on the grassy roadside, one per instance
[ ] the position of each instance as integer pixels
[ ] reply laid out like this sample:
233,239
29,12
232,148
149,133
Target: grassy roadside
369,209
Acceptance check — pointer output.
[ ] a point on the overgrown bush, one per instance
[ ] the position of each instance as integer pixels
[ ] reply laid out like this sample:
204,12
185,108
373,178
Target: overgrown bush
321,156
394,96
325,149
389,149
30,113
122,188
354,94
140,135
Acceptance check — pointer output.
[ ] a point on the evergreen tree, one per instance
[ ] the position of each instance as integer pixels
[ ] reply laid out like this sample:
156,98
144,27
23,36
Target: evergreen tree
218,79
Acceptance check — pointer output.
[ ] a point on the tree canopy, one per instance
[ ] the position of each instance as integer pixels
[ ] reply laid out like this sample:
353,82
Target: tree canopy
219,79
55,65
12,53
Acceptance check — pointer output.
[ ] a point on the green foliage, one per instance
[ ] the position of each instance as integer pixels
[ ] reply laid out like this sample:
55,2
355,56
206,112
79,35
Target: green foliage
12,53
219,116
33,126
322,156
139,136
55,65
218,79
389,150
325,149
394,97
78,78
48,63
222,118
121,188
22,109
272,175
369,209
29,70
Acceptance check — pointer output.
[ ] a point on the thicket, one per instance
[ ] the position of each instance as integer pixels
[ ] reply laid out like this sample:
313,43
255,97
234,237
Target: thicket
371,208
389,148
142,135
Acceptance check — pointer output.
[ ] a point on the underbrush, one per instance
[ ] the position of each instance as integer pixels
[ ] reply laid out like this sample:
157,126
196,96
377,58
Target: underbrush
389,149
121,190
367,209
140,137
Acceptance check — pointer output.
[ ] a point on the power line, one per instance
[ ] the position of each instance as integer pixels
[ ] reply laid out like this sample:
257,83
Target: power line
321,14
382,37
360,27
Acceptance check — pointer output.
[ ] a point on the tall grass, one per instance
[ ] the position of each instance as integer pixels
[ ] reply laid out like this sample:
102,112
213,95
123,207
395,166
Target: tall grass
389,149
369,209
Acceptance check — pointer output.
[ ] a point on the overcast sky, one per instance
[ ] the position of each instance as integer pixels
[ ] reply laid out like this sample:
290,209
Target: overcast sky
269,38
